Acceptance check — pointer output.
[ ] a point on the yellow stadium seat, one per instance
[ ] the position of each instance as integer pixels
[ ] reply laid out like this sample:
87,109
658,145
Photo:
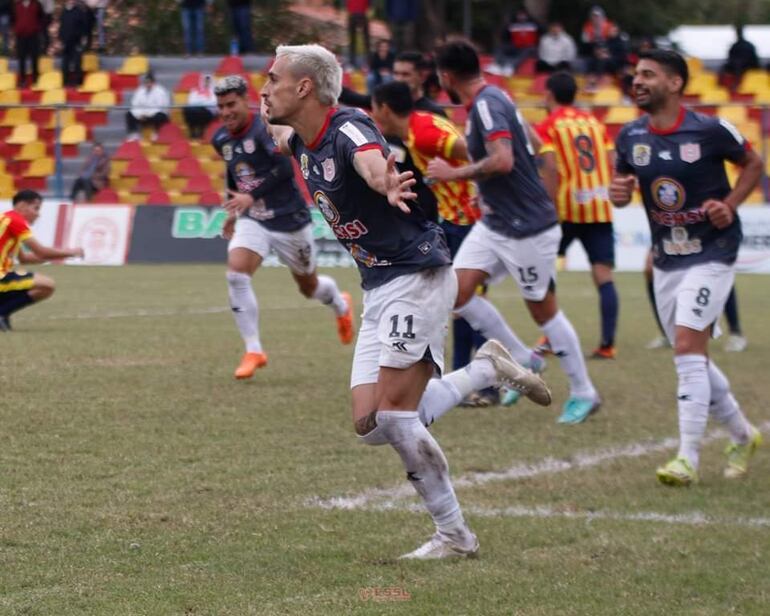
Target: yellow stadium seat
752,131
203,150
31,151
715,96
89,63
10,97
214,168
45,65
41,167
7,81
107,98
258,80
15,116
48,81
753,81
621,114
162,166
95,82
180,98
74,134
54,97
607,96
694,65
64,117
735,114
6,183
134,65
3,65
23,133
700,83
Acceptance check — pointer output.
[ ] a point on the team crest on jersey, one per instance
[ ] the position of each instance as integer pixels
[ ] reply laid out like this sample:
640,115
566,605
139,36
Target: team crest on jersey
641,154
327,208
227,152
668,194
689,152
329,169
249,146
303,166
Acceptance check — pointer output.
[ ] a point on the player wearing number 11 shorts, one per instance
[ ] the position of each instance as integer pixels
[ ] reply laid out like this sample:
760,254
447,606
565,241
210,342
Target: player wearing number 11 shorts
678,157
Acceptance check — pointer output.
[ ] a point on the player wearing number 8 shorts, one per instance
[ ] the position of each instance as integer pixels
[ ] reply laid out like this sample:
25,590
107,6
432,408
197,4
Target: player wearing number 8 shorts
678,157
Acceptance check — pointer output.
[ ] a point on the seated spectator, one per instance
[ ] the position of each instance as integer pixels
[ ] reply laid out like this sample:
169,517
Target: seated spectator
557,50
380,65
594,38
201,107
149,106
94,175
519,40
741,57
73,29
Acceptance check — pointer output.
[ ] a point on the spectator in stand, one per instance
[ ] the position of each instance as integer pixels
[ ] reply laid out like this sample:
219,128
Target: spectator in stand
193,24
49,7
73,28
28,20
402,18
358,22
617,45
6,18
741,57
240,14
94,175
201,107
596,31
149,106
557,50
519,40
380,65
98,10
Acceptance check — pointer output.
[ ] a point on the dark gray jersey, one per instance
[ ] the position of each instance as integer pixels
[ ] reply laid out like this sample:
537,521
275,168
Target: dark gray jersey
515,204
255,166
384,241
679,169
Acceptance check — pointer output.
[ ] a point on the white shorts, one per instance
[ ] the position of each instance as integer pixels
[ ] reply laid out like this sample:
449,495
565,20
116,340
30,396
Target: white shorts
531,261
404,322
694,297
296,249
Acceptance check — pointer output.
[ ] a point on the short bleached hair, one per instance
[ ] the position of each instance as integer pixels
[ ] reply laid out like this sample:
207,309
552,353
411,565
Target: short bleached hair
319,65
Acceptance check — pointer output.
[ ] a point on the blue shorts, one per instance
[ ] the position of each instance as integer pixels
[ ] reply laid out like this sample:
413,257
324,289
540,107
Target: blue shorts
597,239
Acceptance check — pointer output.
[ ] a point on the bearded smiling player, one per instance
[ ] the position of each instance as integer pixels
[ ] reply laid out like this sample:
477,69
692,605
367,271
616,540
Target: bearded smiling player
678,157
406,273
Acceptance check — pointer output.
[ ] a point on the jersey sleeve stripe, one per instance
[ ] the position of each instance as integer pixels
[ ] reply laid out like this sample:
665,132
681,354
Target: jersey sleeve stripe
500,134
369,146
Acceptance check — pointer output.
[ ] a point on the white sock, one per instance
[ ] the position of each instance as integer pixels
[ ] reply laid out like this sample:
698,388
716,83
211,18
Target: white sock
426,468
487,320
245,310
724,407
566,346
327,293
693,396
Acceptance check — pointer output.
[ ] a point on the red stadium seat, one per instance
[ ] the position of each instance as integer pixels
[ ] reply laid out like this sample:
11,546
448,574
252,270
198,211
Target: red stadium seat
188,82
106,195
158,197
210,198
169,133
147,183
198,184
128,150
211,129
230,65
178,150
138,167
187,168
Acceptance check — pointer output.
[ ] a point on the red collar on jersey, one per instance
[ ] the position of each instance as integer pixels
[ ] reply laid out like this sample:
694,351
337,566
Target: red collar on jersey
314,144
240,133
671,129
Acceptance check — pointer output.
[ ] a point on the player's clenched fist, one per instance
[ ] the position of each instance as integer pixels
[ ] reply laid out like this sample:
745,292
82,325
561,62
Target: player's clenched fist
719,213
621,188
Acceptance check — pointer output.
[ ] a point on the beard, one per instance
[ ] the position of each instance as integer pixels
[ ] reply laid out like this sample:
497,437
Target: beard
454,97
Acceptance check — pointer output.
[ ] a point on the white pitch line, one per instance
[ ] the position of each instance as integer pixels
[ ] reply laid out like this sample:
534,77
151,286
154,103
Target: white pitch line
171,312
693,518
547,466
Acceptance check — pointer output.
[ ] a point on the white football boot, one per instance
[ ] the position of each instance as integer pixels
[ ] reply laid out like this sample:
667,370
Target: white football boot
513,375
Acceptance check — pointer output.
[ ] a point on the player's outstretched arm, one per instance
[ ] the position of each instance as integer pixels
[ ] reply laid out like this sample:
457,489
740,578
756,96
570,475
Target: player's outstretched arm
383,177
622,188
45,253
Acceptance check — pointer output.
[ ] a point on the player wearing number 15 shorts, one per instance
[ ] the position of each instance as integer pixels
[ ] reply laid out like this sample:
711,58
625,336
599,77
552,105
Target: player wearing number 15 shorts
678,158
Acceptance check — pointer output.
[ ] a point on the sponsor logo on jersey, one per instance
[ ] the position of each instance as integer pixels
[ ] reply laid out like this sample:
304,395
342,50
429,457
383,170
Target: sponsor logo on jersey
668,194
249,146
329,169
665,155
227,152
641,154
484,115
689,152
365,258
303,166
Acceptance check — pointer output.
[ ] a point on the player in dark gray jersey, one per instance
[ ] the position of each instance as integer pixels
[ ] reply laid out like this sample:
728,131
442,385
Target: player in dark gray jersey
678,158
267,213
518,231
409,285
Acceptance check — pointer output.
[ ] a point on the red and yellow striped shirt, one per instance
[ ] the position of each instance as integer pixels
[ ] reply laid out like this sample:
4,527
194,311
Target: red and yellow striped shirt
581,145
431,136
14,230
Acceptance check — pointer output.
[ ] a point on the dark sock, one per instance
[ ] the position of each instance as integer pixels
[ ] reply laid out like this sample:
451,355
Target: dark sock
608,306
14,303
462,335
651,296
731,313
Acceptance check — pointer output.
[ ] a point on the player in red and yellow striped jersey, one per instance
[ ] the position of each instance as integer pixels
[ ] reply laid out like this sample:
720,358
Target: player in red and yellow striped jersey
578,157
19,289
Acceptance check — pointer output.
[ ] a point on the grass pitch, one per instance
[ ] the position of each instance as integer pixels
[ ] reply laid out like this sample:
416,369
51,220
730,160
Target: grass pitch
137,477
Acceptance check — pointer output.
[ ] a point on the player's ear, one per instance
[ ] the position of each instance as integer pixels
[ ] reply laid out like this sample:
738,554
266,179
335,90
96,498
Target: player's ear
304,87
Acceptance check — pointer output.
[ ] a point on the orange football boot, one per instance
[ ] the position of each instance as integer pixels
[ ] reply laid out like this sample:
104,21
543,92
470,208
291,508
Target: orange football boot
346,330
604,352
250,362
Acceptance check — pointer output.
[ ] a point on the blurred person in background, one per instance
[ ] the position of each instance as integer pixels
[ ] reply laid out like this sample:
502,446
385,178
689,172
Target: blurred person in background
73,28
6,19
240,16
358,28
149,106
94,175
201,107
193,25
556,51
28,24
